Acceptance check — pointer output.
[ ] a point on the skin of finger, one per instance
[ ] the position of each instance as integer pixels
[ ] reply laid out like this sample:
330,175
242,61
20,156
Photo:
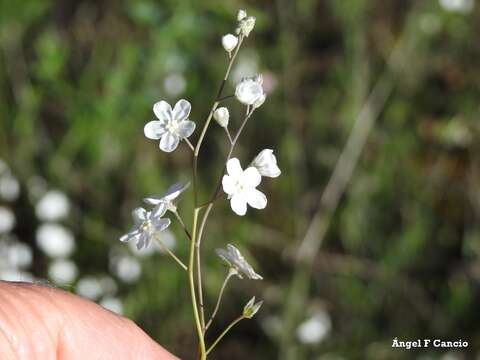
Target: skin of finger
41,322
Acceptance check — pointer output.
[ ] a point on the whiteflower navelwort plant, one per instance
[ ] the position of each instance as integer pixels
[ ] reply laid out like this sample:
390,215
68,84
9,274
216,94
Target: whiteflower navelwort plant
173,126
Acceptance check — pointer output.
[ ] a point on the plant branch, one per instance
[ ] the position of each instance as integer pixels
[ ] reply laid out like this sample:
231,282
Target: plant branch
232,324
184,227
169,252
217,305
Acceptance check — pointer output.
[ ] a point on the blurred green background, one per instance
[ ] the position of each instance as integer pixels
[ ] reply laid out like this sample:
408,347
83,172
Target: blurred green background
391,243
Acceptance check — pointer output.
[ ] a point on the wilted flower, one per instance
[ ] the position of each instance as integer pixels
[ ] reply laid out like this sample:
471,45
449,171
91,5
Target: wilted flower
171,126
168,198
221,116
229,42
242,14
266,164
251,308
246,25
249,90
147,225
237,262
241,187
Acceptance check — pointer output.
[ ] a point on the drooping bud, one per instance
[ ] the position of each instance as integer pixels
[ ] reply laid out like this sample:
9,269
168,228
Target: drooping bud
229,42
221,116
242,14
246,26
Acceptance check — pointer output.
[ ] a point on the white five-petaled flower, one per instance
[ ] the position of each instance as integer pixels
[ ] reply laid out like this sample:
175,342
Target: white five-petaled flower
221,116
229,42
171,126
266,164
237,262
172,193
147,225
249,91
241,186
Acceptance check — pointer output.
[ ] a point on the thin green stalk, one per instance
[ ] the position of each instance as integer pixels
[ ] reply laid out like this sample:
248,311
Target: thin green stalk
217,306
201,340
232,324
169,252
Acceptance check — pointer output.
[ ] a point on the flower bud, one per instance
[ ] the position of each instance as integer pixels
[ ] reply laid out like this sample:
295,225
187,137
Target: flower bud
251,308
242,14
246,25
266,164
221,116
229,42
249,90
259,102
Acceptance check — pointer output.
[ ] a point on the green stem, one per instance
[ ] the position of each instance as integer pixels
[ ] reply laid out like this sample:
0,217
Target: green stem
169,252
232,324
217,305
191,281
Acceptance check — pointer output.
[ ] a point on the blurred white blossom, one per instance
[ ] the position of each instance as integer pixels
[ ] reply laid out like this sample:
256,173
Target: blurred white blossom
246,24
89,287
461,6
54,205
9,187
55,240
241,186
171,126
113,304
314,329
16,275
174,84
126,268
7,220
242,14
62,271
19,255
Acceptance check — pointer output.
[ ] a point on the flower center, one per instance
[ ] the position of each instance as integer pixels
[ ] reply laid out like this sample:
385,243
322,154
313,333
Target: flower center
239,185
146,226
172,126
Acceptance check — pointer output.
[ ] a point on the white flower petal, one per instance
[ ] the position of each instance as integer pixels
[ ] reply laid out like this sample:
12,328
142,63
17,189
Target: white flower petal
169,142
185,128
163,111
139,215
238,204
181,110
154,130
161,224
158,211
228,184
251,177
234,168
256,199
130,235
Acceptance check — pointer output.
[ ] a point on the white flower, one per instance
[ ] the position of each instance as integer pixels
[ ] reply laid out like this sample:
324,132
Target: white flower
461,6
55,240
237,262
266,164
89,287
126,268
147,225
54,205
19,255
171,126
241,187
172,193
221,116
242,14
7,220
246,25
249,90
251,308
229,42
